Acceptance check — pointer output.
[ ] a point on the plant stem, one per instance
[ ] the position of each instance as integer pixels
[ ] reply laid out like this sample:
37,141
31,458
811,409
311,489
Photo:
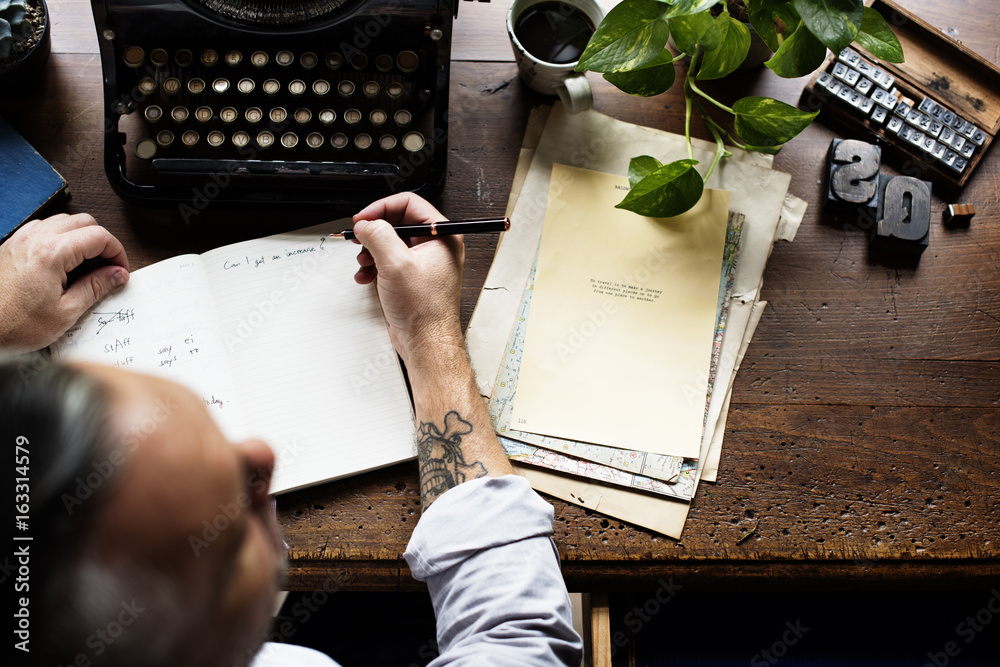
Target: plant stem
720,148
710,122
689,99
710,99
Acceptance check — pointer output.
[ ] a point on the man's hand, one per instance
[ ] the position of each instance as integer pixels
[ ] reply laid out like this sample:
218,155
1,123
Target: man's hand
419,280
37,301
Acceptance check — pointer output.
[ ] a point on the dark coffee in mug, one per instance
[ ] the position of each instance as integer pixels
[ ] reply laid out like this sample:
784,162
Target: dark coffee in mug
554,32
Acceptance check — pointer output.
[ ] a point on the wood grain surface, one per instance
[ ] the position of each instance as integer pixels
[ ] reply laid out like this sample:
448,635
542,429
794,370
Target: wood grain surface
863,440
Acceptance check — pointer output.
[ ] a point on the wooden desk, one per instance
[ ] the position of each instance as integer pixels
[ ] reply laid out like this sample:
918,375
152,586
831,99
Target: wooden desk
863,439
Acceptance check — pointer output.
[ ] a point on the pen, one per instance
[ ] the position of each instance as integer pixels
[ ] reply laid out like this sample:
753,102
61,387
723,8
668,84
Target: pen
443,228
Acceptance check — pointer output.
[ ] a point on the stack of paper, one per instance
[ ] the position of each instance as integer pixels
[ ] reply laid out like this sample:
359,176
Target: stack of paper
606,342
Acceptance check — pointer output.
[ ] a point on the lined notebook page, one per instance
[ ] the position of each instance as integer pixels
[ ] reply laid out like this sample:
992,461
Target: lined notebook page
162,323
310,353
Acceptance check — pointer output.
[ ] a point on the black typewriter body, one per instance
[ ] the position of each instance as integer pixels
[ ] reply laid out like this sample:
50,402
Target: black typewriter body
317,102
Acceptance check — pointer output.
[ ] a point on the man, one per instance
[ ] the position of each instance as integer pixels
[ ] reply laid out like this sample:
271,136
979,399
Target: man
120,560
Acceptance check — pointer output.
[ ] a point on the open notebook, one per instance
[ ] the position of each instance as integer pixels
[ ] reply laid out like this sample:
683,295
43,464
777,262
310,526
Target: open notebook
278,341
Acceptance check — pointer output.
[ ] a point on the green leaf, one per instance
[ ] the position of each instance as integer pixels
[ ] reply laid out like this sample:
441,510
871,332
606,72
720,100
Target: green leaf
798,55
833,22
762,121
687,7
666,192
731,52
632,34
641,167
766,150
653,78
696,30
877,37
774,21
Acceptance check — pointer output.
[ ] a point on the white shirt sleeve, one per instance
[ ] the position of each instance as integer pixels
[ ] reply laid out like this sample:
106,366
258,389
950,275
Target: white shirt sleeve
485,550
272,654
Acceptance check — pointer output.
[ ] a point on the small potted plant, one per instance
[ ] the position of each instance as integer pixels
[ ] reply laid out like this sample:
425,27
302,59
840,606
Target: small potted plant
24,43
628,48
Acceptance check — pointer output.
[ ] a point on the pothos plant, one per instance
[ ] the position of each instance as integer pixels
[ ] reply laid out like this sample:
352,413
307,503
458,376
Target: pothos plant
629,48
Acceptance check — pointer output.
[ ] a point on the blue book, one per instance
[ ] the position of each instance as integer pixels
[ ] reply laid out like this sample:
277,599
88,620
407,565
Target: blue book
27,182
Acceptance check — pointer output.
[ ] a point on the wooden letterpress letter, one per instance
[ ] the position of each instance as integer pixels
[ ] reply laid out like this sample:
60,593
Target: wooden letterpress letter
904,214
853,177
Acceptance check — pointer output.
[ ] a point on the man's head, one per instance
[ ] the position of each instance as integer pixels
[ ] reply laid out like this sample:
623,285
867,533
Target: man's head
161,542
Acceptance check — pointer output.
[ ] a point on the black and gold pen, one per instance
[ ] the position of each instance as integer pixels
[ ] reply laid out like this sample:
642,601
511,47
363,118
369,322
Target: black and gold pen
443,228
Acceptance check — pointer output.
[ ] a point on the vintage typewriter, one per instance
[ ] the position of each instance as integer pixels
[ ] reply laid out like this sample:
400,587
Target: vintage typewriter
332,102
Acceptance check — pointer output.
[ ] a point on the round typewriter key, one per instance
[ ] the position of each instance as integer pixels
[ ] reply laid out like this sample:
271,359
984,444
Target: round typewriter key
234,58
209,57
189,138
407,61
402,117
241,139
215,138
338,140
284,58
314,140
165,138
265,139
378,117
145,149
359,60
229,115
220,85
289,140
278,114
352,116
134,56
153,113
334,61
254,115
196,86
363,141
246,86
271,86
122,108
258,59
203,114
394,89
413,141
321,87
303,116
345,88
383,62
172,86
327,116
108,35
183,58
387,142
308,60
370,89
158,57
147,86
297,87
179,114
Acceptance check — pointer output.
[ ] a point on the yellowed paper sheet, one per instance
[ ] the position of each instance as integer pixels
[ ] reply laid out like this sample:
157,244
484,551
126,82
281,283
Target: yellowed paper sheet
612,340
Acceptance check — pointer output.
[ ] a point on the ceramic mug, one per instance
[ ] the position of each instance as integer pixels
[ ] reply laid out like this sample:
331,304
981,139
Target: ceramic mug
554,78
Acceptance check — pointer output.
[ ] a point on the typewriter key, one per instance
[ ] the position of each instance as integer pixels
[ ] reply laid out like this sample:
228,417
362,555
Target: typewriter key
402,117
345,88
363,141
387,142
289,140
179,114
370,89
297,87
967,150
413,141
220,85
241,139
165,138
407,61
979,137
327,116
334,61
158,57
394,89
215,138
189,138
245,86
203,114
234,58
258,59
383,62
939,151
196,86
303,116
265,139
308,60
134,56
359,60
352,116
253,115
338,140
284,58
278,115
147,86
378,117
209,57
314,140
153,113
229,115
145,149
271,86
321,87
183,58
172,86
